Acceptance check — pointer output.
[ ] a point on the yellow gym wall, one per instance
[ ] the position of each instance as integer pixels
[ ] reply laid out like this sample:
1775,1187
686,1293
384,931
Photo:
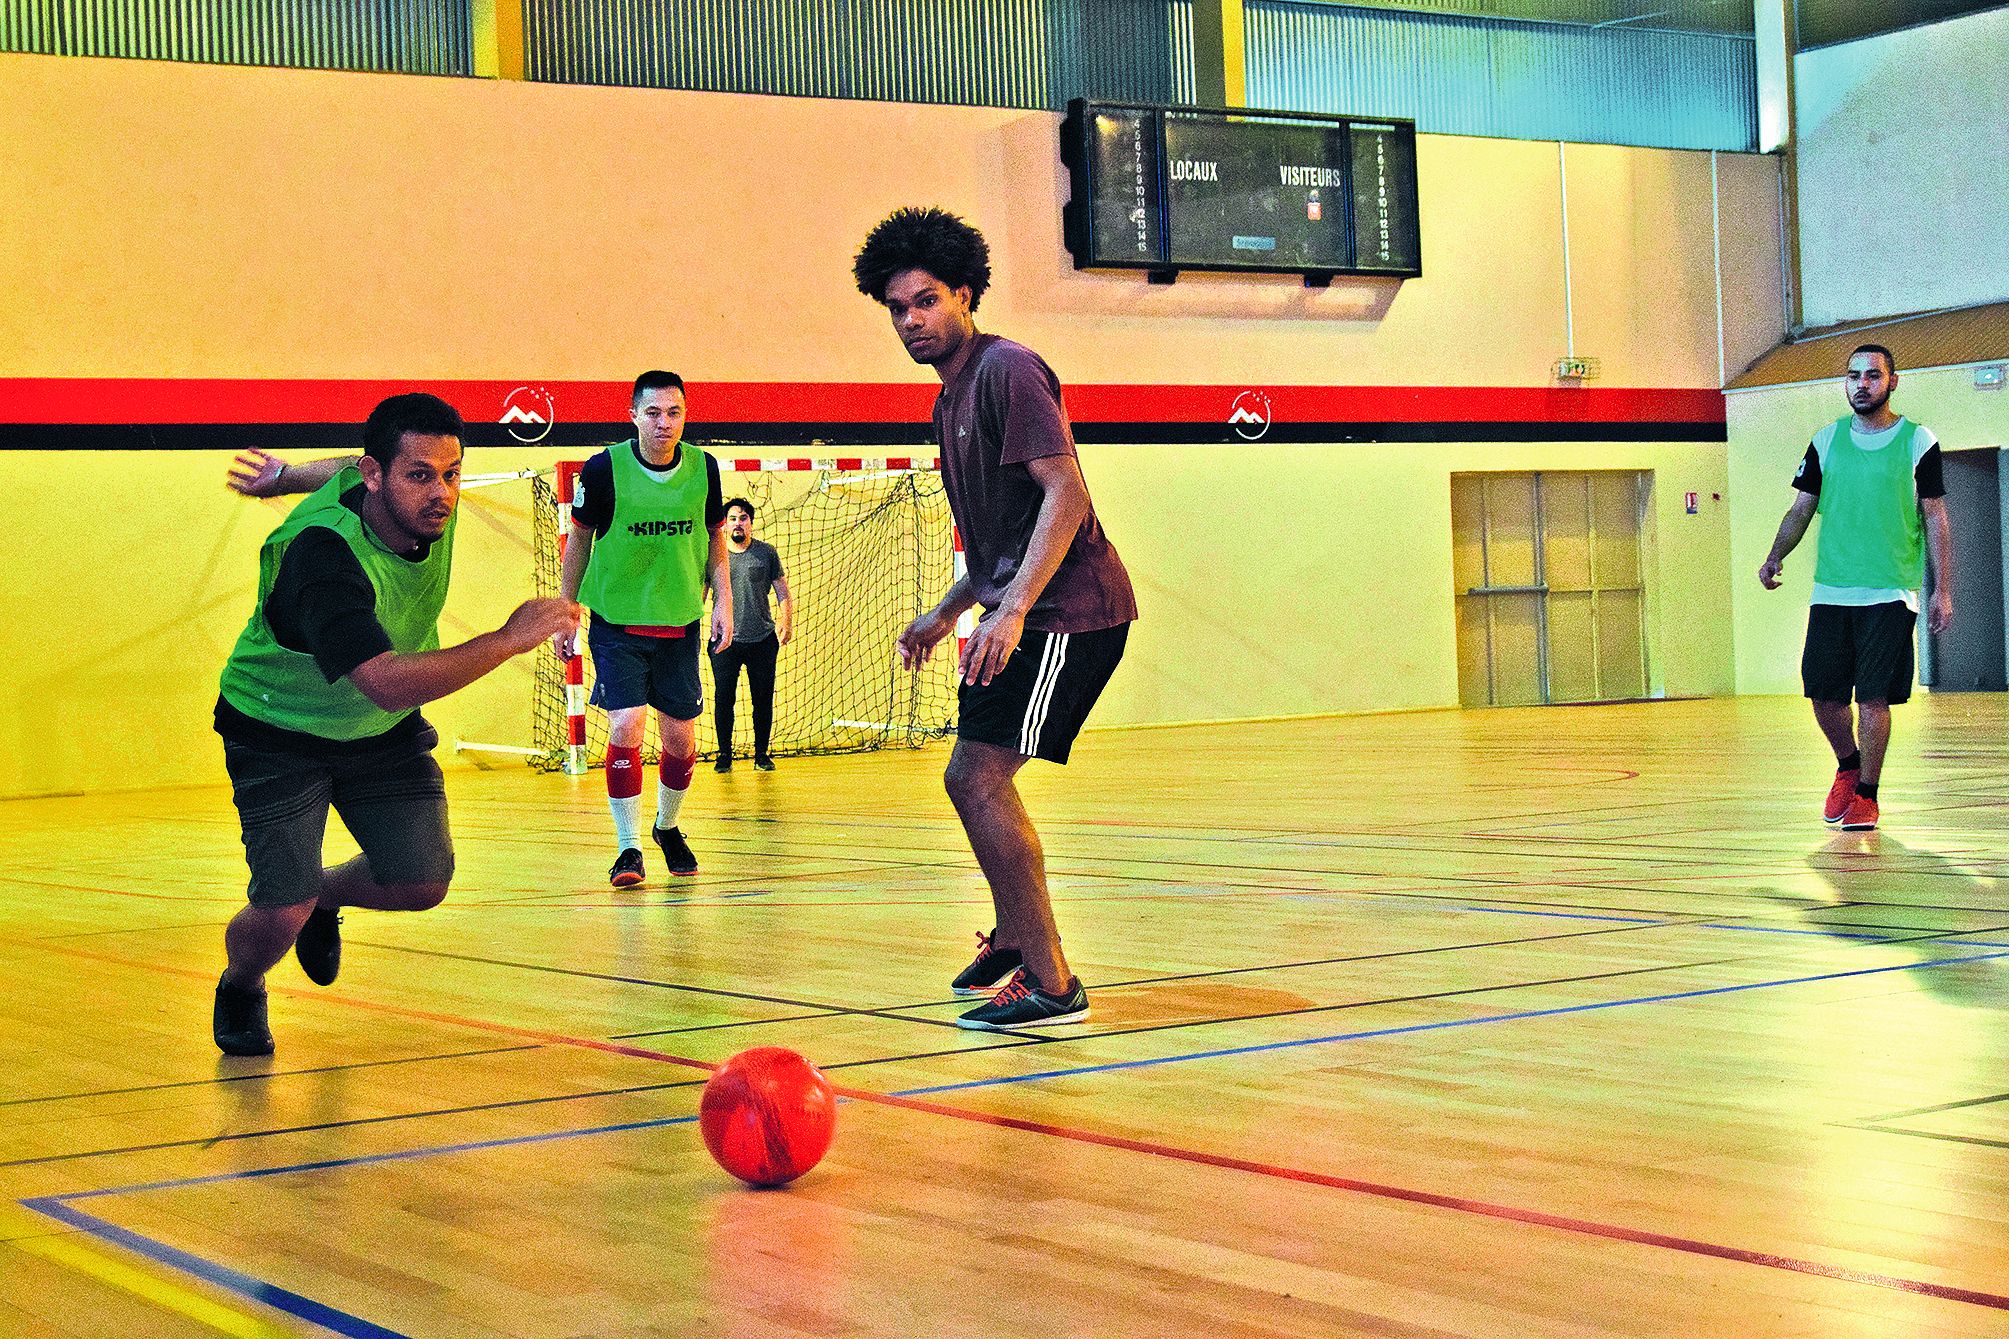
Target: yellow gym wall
171,220
1769,431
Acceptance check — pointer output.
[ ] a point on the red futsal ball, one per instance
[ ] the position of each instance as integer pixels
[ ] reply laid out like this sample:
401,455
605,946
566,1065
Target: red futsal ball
767,1116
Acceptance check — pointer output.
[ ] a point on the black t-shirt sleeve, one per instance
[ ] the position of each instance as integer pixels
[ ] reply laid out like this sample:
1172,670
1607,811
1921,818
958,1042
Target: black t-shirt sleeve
1808,480
773,563
714,494
1930,473
322,605
593,494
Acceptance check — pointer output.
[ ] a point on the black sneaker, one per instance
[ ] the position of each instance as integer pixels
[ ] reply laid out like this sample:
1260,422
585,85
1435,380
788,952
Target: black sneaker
990,966
319,947
676,851
763,763
627,871
1022,1004
238,1021
724,763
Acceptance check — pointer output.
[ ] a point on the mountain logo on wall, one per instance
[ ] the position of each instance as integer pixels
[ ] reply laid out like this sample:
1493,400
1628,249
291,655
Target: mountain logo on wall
528,412
1249,416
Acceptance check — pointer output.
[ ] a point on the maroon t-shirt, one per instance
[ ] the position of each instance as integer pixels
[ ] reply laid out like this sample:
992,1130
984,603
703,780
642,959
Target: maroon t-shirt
1003,409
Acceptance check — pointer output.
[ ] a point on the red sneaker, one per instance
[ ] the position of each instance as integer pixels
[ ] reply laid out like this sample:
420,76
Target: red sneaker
1840,794
1861,816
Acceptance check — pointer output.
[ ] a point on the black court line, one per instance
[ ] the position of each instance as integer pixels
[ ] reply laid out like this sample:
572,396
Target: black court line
1943,1106
1331,841
1480,990
900,1012
904,1012
1494,884
706,884
718,1027
267,1074
210,1141
1510,878
133,930
1734,866
1018,1039
821,1009
1454,894
1934,1134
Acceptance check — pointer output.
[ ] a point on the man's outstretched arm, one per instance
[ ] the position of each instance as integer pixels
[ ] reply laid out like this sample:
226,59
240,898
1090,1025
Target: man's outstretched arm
257,473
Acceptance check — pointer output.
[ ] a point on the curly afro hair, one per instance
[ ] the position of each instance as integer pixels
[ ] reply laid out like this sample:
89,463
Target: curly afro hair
924,239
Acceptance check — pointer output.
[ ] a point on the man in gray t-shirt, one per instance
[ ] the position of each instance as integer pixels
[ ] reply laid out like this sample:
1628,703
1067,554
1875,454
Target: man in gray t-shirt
757,636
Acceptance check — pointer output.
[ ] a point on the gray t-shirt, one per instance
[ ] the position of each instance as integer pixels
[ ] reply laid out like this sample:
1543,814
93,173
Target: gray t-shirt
1002,410
753,576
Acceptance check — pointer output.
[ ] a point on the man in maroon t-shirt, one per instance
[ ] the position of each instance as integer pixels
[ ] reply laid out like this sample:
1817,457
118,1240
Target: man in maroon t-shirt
1057,602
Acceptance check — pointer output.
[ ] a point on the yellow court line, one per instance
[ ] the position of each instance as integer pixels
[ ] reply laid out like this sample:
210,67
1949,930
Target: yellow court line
161,1292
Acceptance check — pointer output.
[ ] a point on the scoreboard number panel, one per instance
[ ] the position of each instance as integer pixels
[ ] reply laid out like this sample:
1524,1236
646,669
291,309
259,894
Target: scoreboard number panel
1382,159
1166,189
1124,149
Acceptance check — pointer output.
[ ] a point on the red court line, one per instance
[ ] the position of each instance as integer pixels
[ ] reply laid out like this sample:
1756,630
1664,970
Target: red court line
1458,1204
1534,1217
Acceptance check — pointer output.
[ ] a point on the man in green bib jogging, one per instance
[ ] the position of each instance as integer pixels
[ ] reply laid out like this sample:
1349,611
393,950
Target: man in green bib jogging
644,543
1874,478
319,700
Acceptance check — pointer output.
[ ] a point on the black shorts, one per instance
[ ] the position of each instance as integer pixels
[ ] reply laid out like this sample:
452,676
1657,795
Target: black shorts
630,670
1859,651
392,799
1039,703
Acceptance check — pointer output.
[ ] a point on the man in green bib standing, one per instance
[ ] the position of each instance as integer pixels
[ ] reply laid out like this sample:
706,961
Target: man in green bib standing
319,699
1875,480
644,543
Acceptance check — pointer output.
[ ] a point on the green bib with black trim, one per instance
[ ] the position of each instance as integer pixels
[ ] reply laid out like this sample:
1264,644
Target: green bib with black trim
282,687
1871,533
649,568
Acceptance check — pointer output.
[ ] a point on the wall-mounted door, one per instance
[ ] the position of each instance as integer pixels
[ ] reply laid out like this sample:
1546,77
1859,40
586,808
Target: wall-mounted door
1969,656
1551,586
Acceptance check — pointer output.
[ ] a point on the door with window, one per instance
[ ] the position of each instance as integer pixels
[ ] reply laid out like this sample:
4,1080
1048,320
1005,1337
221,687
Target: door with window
1550,586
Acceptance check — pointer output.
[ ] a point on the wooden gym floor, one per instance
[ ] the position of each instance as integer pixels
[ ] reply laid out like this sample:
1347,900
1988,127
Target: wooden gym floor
1544,1022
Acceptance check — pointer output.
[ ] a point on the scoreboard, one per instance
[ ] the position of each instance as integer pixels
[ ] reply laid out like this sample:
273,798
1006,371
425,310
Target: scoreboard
1166,189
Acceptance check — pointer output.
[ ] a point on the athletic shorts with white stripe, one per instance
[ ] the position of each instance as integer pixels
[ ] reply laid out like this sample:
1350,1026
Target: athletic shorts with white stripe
1041,700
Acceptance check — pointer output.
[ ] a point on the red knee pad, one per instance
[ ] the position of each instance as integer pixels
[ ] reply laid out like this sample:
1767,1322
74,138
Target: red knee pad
624,773
676,772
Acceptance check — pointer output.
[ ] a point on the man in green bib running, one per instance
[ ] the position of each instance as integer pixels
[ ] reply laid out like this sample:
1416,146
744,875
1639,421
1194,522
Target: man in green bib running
1874,478
644,543
319,699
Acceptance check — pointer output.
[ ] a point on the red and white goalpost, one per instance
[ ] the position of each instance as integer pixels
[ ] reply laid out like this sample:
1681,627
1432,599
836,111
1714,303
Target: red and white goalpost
838,473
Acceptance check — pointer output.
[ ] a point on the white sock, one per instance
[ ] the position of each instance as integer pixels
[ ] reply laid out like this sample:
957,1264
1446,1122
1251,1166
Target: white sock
668,804
627,811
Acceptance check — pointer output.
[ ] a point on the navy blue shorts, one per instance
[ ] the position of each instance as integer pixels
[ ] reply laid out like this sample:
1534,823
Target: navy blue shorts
630,670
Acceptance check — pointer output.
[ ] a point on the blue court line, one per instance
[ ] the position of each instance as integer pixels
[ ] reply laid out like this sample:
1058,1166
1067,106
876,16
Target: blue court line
223,1276
1872,936
1000,1080
1117,1065
244,1285
58,1206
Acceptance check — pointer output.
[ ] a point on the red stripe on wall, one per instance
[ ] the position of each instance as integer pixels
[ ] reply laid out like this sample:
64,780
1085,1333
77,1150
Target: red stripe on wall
82,400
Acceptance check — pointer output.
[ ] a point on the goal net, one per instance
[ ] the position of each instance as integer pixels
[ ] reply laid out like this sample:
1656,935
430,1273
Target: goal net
866,544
